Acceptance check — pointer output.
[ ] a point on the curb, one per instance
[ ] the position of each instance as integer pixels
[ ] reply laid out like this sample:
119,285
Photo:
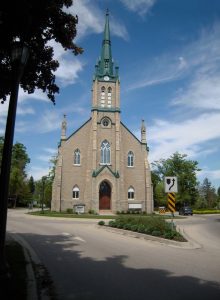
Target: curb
31,280
33,267
190,244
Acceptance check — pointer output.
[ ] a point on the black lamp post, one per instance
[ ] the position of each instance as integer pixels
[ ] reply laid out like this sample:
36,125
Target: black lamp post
19,58
44,178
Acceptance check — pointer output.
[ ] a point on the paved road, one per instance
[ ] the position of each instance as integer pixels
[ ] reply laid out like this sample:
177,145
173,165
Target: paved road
87,262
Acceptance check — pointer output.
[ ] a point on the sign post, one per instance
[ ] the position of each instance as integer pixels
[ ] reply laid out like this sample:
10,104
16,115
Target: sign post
171,188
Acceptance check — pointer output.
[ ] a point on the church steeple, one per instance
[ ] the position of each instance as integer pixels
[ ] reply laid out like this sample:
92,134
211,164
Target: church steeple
105,64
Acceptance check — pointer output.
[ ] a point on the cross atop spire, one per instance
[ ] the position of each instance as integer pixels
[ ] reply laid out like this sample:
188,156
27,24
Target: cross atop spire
105,64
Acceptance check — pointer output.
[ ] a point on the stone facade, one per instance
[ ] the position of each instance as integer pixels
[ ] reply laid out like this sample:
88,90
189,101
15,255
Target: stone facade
102,166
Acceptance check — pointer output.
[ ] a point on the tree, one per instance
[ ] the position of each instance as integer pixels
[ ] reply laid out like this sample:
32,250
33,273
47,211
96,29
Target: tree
207,194
35,23
43,190
185,170
218,192
17,184
31,185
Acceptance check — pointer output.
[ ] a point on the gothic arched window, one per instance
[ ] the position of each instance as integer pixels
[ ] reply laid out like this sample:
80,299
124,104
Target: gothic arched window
130,193
77,157
105,153
109,97
102,96
130,159
76,192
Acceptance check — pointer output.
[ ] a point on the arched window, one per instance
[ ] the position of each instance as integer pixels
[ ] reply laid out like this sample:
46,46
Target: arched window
77,157
130,159
76,192
105,153
130,193
102,96
109,97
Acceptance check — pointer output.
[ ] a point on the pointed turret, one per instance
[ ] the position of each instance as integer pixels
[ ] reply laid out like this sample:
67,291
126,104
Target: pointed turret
104,69
143,133
63,128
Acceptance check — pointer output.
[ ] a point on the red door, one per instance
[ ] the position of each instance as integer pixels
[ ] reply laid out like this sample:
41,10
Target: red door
104,196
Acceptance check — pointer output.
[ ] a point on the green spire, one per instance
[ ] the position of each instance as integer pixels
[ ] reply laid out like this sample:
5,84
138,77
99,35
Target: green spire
105,65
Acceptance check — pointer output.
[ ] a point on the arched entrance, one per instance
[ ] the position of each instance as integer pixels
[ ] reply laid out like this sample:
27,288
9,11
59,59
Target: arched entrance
104,196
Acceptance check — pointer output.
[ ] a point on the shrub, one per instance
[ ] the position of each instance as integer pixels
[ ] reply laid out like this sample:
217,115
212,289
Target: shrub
156,233
153,225
101,223
141,228
134,227
169,235
69,210
127,226
112,223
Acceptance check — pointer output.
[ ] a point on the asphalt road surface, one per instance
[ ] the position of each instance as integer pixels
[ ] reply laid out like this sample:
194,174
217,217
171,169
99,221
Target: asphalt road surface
88,262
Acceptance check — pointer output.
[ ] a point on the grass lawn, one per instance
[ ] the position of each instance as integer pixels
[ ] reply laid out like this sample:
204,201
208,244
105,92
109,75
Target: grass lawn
48,213
206,211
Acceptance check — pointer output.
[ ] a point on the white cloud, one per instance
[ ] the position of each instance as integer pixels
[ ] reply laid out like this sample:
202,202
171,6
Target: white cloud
140,6
162,70
203,92
199,60
38,172
48,121
187,137
211,174
91,20
51,151
48,153
69,65
68,71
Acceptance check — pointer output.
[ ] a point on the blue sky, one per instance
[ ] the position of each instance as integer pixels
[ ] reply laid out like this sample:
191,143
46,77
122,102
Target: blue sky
168,52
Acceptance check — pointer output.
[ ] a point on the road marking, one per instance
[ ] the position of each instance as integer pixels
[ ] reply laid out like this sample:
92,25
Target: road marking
79,239
66,234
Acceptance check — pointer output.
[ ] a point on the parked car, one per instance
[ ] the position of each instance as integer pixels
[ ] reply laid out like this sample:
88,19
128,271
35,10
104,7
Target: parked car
186,210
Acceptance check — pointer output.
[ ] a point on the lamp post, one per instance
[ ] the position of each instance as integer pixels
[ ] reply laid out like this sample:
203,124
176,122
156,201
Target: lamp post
44,178
19,58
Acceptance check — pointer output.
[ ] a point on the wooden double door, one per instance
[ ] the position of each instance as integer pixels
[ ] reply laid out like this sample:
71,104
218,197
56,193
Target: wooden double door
104,196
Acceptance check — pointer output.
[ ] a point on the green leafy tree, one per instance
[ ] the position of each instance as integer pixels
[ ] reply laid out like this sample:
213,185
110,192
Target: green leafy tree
185,170
35,23
43,190
158,190
18,176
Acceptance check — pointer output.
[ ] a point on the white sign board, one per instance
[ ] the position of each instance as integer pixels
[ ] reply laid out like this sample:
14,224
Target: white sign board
135,205
80,209
170,184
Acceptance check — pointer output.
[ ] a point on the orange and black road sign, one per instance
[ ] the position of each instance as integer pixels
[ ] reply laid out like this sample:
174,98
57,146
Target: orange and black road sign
171,202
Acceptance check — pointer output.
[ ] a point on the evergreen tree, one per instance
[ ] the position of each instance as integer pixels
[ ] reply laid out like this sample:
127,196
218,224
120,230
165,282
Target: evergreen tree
208,194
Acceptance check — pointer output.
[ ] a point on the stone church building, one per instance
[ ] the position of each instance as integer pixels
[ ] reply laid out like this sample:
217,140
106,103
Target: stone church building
102,166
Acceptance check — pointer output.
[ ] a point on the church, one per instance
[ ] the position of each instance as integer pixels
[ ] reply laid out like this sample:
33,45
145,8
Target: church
103,167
